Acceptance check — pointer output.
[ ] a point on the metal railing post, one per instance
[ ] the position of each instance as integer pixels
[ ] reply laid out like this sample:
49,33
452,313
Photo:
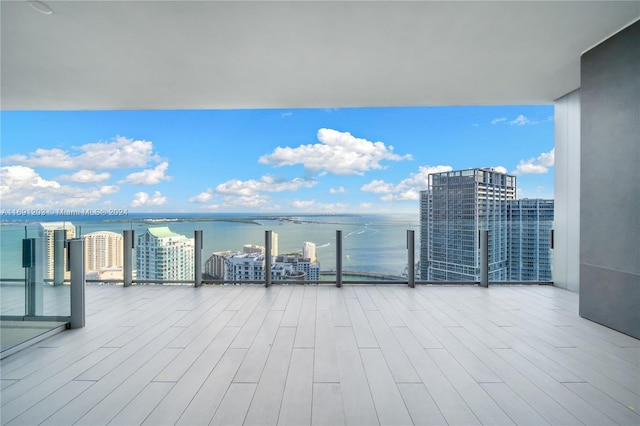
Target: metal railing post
127,261
267,258
197,258
338,258
76,266
484,258
59,237
411,261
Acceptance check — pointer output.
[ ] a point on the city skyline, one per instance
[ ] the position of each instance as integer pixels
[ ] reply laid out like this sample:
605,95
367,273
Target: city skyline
295,160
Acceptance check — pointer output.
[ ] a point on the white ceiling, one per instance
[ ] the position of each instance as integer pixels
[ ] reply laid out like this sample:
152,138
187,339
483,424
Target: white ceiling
221,55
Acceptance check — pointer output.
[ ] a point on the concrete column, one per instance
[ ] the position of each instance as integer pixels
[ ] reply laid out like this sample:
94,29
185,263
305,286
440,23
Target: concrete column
609,190
566,223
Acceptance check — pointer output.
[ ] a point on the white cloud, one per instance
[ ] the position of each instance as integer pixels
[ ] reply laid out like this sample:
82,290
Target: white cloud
54,158
378,186
201,198
525,168
500,169
313,205
339,190
408,189
109,189
366,206
121,153
149,176
253,200
22,186
338,152
236,193
264,184
86,176
286,114
521,120
537,165
303,204
141,199
548,158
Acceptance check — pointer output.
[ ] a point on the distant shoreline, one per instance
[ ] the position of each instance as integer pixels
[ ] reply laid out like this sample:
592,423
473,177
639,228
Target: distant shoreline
160,218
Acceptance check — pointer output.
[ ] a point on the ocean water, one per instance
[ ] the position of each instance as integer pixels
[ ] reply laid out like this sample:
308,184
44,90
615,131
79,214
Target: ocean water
371,243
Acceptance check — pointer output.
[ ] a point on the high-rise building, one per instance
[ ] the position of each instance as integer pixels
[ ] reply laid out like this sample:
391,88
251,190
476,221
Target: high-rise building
252,248
215,264
458,205
309,251
245,267
529,241
46,232
274,243
164,255
103,249
296,267
242,267
425,242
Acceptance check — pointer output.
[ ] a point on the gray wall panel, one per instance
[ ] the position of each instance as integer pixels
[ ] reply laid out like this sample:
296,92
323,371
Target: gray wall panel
610,292
610,182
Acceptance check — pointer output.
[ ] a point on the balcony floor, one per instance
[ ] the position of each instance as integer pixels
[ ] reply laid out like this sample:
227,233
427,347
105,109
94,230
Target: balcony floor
321,355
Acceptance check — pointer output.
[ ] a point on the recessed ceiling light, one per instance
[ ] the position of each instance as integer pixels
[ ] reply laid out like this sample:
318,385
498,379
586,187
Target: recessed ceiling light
41,7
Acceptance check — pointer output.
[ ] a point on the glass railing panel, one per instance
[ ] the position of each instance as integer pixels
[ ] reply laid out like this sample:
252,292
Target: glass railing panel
12,275
30,305
30,291
374,247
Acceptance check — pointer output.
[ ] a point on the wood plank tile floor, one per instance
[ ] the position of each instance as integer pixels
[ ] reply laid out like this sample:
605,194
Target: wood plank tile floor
303,355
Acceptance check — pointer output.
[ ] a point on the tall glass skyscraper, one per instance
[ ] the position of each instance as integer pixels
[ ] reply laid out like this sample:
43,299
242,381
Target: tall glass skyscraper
456,207
530,225
459,204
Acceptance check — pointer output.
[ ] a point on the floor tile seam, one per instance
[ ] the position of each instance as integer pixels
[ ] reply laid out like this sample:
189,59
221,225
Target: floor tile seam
520,397
205,329
451,386
597,368
60,374
123,383
69,402
622,406
522,390
520,383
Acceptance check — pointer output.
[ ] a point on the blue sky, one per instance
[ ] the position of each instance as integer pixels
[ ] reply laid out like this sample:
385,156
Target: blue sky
292,161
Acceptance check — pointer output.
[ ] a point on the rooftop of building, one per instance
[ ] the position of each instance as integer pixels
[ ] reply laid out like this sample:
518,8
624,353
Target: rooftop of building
162,232
56,225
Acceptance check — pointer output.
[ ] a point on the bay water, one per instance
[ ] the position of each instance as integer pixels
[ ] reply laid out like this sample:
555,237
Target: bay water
371,243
